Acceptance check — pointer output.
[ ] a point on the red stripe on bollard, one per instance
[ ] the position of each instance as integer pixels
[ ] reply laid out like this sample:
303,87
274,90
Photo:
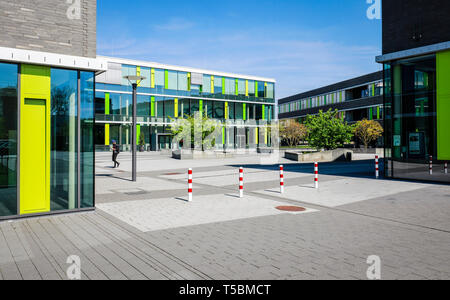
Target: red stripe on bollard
241,182
281,179
316,175
190,181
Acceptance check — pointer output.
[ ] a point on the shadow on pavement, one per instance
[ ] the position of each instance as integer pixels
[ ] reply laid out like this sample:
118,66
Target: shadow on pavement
357,169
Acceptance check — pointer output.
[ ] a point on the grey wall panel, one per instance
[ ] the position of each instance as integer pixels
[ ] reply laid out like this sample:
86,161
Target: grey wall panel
54,26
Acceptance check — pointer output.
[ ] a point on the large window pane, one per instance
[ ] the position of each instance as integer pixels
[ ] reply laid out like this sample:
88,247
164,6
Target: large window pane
206,88
270,91
169,108
87,139
146,72
8,139
208,108
127,71
241,87
64,146
182,81
143,106
251,88
173,80
159,79
218,85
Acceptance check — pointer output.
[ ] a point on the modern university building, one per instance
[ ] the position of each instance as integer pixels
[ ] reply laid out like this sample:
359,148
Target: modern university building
171,92
355,99
53,113
416,59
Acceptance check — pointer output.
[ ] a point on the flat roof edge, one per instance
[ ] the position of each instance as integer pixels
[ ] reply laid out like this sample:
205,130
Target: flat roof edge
413,52
181,68
14,55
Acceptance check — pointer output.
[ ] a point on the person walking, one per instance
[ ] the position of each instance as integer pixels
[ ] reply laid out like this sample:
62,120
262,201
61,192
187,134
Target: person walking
116,151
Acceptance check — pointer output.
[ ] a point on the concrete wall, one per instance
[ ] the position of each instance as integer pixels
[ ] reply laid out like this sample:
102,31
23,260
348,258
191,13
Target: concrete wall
410,24
57,26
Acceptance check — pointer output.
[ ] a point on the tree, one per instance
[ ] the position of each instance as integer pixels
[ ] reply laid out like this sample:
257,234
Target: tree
328,131
184,130
292,132
368,131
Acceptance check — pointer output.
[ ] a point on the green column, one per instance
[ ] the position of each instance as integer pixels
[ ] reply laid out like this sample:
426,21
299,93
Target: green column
244,111
263,112
152,113
138,133
166,79
397,110
443,105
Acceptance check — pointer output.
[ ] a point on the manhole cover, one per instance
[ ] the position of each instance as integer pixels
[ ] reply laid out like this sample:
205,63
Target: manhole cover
291,208
172,174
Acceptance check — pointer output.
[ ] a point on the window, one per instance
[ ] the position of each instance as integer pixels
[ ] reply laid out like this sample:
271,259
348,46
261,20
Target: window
147,73
270,90
230,86
239,111
8,139
206,88
127,71
261,90
208,108
231,111
251,88
159,79
87,139
143,106
182,81
64,142
218,85
172,78
169,108
241,87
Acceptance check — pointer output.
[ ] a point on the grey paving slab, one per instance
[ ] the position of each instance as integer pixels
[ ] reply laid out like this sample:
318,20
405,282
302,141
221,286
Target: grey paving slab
406,224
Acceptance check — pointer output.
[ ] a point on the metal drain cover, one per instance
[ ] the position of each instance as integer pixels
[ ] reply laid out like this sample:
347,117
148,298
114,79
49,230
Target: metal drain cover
291,208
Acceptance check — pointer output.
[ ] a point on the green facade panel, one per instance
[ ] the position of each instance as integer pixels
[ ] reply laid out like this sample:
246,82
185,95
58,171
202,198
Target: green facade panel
443,105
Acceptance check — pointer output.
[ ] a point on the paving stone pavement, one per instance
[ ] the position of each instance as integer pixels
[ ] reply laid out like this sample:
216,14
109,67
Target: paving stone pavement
408,228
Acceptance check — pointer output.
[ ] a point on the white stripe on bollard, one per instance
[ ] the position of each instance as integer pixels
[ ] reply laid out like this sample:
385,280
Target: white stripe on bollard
431,165
241,182
190,185
446,168
316,175
377,167
281,179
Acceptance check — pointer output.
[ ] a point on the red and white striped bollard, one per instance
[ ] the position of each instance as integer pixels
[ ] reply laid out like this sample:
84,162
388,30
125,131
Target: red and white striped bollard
377,167
241,182
316,175
431,165
281,179
190,185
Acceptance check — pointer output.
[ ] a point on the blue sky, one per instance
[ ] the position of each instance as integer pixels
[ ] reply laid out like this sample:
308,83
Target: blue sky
302,44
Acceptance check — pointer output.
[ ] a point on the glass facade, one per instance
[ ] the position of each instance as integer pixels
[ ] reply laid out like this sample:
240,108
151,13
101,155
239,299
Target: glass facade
411,120
171,94
70,130
64,144
8,139
361,92
87,122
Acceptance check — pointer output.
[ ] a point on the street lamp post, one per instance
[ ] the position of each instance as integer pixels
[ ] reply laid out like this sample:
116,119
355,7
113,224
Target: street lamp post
134,80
